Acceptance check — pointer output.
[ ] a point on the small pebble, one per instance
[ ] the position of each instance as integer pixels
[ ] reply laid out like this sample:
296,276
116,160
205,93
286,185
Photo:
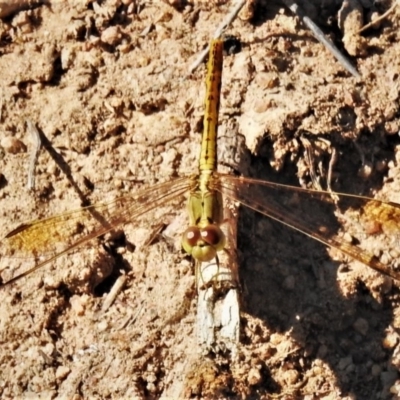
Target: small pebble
62,371
13,145
361,326
111,35
291,376
391,340
374,15
395,389
365,171
102,326
254,377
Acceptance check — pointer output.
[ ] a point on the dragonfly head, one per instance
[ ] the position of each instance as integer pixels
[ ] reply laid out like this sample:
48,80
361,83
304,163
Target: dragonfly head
203,243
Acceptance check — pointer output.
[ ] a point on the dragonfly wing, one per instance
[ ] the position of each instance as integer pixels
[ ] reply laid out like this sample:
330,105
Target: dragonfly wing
316,214
43,241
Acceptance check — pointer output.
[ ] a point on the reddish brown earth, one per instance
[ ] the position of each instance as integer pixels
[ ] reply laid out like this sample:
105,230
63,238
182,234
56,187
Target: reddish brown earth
104,82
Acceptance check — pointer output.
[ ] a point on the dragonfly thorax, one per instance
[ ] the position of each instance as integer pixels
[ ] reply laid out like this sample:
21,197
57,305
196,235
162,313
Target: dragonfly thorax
203,243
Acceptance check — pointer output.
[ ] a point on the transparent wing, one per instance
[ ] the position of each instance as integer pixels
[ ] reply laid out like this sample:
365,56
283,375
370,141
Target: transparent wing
45,240
317,215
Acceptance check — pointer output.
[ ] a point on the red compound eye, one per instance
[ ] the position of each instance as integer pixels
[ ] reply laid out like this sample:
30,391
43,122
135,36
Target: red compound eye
212,235
192,235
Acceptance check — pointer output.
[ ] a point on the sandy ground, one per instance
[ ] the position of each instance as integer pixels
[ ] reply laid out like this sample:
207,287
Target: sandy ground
103,81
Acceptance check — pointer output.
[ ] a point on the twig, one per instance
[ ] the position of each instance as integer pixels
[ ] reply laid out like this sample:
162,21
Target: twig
321,37
35,153
64,167
131,318
229,18
310,159
112,295
383,16
332,163
300,13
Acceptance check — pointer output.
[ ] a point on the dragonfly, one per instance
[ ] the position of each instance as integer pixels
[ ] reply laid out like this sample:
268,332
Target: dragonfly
45,240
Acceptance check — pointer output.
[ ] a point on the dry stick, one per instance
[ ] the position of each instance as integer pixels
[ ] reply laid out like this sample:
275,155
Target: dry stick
35,153
310,159
321,37
229,18
300,13
383,16
64,167
332,163
131,318
115,290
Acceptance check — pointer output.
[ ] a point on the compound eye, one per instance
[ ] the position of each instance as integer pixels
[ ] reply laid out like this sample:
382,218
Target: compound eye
213,236
191,236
